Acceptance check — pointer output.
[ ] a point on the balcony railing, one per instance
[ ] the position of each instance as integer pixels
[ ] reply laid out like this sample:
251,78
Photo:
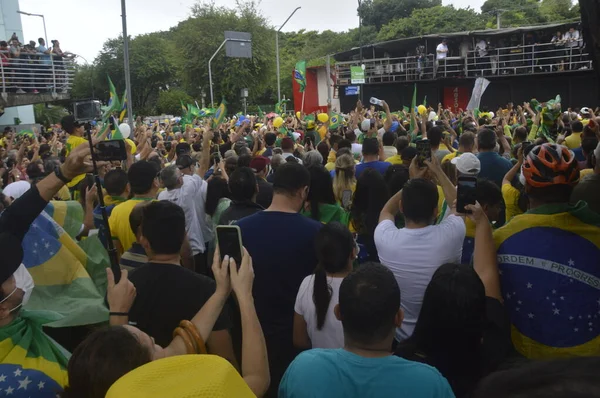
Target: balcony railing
35,73
518,60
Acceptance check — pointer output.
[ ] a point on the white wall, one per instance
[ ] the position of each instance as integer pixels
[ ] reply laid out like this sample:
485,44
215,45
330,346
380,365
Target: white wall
322,82
10,22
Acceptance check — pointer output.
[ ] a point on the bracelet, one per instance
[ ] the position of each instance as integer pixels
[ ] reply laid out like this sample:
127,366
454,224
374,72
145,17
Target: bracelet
186,339
118,313
59,174
191,329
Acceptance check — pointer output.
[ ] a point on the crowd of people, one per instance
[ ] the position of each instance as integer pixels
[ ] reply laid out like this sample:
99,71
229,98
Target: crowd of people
33,67
359,277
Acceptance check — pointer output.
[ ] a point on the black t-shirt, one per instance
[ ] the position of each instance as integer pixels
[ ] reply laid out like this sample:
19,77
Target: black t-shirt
238,210
265,192
495,349
168,294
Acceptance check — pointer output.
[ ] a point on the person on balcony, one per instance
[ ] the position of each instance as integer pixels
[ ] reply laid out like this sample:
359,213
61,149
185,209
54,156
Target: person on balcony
441,54
483,61
45,65
558,60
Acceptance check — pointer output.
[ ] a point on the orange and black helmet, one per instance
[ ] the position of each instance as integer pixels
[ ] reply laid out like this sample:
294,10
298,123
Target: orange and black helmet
550,164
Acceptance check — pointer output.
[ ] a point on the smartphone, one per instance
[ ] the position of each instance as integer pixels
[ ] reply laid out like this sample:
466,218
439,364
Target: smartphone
466,193
423,151
110,150
229,238
346,198
525,145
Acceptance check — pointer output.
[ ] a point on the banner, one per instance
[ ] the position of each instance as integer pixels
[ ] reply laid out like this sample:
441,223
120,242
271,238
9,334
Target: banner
480,85
456,97
357,75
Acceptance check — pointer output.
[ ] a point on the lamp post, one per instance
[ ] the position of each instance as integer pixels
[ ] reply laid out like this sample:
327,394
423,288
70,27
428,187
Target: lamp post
277,53
126,65
43,21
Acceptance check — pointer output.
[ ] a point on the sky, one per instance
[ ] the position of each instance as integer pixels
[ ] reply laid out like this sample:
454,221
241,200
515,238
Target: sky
82,26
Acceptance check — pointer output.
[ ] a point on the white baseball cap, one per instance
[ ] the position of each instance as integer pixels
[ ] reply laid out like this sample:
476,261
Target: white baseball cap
365,125
467,164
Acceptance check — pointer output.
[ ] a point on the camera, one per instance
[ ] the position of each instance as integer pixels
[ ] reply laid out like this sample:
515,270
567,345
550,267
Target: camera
87,110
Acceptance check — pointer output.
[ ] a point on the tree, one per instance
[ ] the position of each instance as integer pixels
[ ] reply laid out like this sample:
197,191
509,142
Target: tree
558,10
380,12
513,12
439,19
47,115
169,101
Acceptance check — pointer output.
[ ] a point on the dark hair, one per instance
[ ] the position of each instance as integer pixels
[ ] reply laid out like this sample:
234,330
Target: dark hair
557,193
183,148
87,182
344,144
558,378
101,359
136,217
289,178
351,136
520,133
320,191
333,245
395,177
488,193
434,135
401,143
244,160
141,176
270,139
34,171
343,151
388,138
368,303
408,153
242,184
467,140
588,145
370,146
163,225
335,139
287,144
217,188
323,149
45,151
419,200
450,326
486,139
115,182
577,126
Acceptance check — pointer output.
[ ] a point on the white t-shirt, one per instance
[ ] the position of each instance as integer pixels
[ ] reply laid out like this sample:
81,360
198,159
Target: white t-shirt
184,197
481,48
413,255
332,333
200,187
441,51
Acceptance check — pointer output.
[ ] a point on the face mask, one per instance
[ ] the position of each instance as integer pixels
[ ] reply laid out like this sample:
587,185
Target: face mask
23,281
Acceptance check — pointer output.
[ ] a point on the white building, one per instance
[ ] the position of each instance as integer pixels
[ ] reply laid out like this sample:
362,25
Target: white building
10,22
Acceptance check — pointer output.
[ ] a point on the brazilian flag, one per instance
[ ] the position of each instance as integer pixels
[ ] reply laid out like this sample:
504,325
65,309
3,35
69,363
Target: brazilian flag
334,121
220,114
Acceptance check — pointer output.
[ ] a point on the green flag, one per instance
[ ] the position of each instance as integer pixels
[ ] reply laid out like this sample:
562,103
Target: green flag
261,114
194,111
220,114
413,105
113,101
184,109
300,75
334,121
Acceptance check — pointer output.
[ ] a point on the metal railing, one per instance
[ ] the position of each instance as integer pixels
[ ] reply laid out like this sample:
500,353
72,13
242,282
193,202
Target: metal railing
526,59
35,73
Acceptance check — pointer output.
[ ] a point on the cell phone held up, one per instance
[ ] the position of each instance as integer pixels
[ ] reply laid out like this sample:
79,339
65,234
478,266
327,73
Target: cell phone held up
110,150
423,151
229,238
466,193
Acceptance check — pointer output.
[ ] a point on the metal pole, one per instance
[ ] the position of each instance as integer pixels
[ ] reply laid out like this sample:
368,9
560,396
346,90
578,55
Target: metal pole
277,53
126,62
498,20
328,71
212,99
361,50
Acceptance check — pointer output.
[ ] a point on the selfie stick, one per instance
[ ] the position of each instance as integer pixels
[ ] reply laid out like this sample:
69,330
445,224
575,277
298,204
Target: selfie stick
112,251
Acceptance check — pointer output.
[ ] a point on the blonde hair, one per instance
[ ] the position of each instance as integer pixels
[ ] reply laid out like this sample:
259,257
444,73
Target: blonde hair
344,176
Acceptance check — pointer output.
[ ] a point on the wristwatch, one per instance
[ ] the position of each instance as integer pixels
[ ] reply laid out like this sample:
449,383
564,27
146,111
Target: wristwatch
60,175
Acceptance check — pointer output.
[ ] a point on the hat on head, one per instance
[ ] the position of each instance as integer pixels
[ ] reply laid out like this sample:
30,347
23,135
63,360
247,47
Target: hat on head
202,376
310,125
365,125
12,255
467,164
16,189
185,161
585,110
259,163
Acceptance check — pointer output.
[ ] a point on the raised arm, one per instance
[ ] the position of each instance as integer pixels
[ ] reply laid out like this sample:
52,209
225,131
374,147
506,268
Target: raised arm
511,174
387,125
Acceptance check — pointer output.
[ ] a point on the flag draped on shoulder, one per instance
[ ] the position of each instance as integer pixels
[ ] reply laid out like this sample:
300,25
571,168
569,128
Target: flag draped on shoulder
550,293
300,75
69,276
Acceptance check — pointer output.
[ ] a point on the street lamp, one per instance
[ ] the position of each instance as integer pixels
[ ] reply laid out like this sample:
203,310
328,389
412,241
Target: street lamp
277,53
43,21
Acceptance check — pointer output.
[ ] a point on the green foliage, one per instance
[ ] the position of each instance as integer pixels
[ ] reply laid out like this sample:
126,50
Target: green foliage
558,10
169,101
48,115
380,12
438,19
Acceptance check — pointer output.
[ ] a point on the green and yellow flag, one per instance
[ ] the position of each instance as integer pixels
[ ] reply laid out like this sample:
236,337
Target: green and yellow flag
123,108
300,75
113,101
334,121
220,114
413,108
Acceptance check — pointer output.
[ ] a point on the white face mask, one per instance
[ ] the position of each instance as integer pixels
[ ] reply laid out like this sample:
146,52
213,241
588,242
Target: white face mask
522,178
23,281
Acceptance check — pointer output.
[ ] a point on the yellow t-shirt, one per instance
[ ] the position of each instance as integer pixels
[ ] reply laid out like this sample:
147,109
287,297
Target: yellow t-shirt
332,156
396,159
450,156
330,166
73,142
120,229
511,200
573,141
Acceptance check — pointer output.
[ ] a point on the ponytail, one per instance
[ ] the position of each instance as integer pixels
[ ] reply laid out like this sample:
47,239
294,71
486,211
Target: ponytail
321,295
